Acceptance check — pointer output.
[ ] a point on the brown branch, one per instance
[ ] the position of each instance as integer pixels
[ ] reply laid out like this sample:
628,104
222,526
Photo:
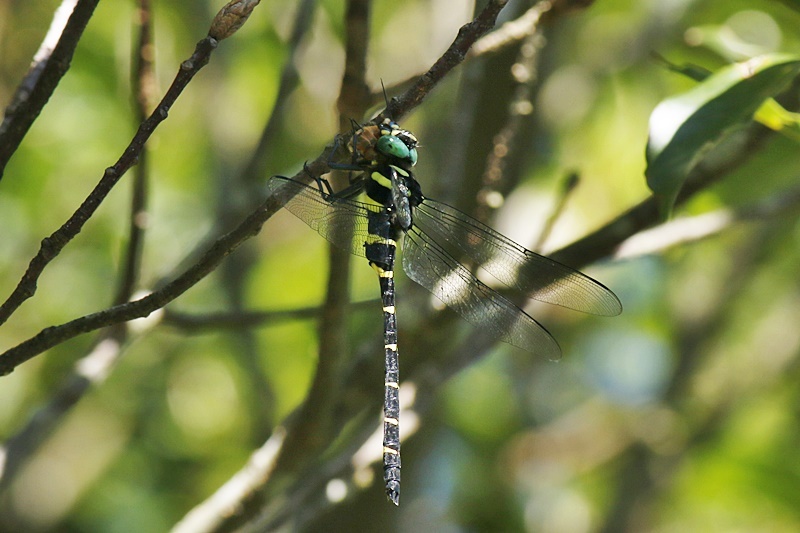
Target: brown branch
504,154
199,323
512,31
48,67
144,90
603,242
354,93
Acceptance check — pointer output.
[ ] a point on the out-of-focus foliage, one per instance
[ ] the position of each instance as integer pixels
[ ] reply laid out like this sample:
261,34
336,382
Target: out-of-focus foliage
684,128
680,415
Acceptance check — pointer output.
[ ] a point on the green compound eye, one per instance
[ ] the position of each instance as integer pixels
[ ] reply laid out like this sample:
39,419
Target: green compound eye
412,156
394,147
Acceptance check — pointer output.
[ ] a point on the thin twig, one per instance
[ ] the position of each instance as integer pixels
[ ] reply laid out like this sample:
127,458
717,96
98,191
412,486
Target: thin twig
568,185
525,73
144,94
511,32
354,93
681,231
199,323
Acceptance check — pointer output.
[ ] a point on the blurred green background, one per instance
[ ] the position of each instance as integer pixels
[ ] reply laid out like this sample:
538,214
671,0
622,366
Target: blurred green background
680,415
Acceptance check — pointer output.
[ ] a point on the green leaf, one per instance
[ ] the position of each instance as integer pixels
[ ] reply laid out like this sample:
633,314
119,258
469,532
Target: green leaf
774,116
793,4
771,113
683,128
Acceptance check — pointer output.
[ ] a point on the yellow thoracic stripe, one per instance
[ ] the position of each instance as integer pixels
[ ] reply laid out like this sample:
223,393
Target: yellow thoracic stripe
377,239
392,421
392,347
392,384
389,450
389,309
382,180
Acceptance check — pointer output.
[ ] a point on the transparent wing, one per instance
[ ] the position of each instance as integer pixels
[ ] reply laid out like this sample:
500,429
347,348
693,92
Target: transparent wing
428,264
341,221
536,276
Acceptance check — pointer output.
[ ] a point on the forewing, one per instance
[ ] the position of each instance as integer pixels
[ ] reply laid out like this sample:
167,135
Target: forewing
341,221
425,262
536,276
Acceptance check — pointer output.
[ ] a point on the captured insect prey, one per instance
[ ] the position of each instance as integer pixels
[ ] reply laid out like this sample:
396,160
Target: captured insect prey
383,206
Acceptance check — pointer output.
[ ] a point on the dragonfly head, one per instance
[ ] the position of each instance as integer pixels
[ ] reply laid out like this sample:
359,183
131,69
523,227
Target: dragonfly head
397,144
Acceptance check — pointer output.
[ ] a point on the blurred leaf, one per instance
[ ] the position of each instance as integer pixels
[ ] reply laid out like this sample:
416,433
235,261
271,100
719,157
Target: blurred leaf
774,116
771,114
690,70
683,128
793,4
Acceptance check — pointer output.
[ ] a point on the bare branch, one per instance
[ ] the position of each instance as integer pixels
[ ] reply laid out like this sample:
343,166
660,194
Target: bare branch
691,229
511,32
198,323
354,93
226,501
231,17
602,242
144,88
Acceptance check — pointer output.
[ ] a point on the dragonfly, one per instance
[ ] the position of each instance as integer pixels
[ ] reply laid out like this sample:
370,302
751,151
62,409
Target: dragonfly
383,207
